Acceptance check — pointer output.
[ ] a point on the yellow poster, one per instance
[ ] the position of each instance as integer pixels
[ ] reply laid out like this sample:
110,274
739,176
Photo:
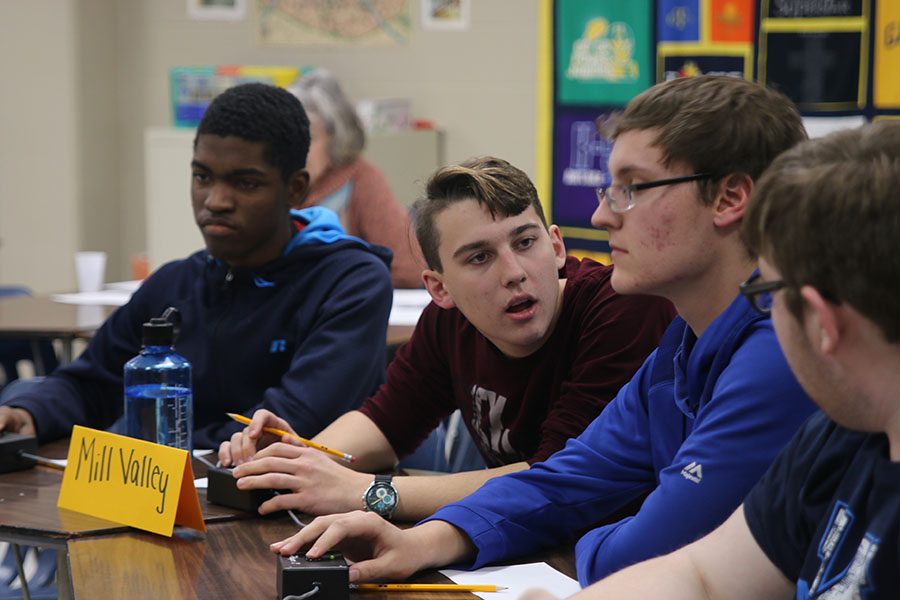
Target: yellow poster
130,481
887,55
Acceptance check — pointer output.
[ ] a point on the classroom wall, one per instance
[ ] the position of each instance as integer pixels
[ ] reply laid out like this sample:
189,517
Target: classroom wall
84,78
57,175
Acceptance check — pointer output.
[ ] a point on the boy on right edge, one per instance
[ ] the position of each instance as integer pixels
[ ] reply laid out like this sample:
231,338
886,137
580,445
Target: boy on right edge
707,412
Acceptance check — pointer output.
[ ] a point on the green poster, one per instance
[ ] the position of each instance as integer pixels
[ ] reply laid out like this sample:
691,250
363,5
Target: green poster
603,50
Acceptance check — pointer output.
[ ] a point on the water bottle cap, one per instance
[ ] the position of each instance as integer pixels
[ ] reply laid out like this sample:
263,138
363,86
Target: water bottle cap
158,332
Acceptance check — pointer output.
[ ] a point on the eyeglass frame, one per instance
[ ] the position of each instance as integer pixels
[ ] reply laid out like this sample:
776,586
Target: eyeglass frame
630,188
751,289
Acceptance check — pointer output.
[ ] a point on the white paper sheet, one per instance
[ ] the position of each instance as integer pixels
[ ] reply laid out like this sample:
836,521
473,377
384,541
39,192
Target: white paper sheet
116,293
408,306
126,286
103,297
516,579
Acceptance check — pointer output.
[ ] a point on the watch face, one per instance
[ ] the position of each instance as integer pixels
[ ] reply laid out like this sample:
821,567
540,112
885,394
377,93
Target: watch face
381,498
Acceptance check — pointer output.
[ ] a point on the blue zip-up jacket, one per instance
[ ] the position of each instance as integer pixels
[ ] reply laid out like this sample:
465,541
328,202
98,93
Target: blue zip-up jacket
696,427
303,336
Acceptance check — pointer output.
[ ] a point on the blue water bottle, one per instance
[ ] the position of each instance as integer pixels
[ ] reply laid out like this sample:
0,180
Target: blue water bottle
158,401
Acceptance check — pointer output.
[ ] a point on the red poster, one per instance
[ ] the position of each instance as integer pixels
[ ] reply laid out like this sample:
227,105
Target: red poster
732,20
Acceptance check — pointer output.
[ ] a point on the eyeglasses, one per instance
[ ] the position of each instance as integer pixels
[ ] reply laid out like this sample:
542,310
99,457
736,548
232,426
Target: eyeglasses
759,293
620,198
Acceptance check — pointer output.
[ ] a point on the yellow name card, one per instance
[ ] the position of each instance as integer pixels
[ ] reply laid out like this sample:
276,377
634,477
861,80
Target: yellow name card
130,481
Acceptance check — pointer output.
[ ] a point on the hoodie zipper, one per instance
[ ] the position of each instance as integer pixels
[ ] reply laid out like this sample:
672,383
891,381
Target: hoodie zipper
227,304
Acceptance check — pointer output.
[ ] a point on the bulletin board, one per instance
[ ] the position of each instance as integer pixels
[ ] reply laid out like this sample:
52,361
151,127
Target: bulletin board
838,60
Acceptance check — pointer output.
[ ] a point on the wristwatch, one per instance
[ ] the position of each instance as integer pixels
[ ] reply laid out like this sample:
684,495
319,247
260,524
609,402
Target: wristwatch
381,496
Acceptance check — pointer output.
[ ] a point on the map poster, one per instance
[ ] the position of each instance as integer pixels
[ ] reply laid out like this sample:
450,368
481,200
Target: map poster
678,20
887,56
603,50
333,22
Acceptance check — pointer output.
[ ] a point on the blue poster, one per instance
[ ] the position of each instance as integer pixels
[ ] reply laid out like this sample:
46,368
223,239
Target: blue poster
678,21
579,166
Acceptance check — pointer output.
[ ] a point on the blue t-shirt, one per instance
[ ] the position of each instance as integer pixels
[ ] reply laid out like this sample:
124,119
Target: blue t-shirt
827,513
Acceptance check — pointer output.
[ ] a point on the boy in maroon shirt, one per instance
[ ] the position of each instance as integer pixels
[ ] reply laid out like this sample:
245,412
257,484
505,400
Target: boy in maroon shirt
528,343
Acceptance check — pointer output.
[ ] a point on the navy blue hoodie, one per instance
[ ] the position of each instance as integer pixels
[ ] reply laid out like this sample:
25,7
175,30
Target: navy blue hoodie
303,336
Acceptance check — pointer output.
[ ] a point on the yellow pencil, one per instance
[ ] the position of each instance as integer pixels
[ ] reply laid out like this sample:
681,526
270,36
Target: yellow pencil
424,587
303,440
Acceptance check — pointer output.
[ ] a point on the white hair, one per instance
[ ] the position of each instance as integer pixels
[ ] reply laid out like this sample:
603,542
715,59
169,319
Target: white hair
322,97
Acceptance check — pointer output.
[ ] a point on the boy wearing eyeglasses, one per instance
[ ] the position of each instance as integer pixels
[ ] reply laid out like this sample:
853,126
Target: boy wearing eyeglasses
709,409
824,520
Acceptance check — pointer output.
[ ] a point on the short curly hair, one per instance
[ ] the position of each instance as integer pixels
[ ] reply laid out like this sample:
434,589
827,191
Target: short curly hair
258,112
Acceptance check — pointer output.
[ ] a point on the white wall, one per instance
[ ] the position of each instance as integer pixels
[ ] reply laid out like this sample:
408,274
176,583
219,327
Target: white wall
477,85
84,78
58,171
38,165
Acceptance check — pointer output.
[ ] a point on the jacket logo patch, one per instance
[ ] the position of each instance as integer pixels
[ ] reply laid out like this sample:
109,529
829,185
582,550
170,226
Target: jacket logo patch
277,346
693,472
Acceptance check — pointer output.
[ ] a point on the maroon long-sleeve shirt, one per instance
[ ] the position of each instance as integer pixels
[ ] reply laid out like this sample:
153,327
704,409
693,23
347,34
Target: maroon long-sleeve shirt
520,408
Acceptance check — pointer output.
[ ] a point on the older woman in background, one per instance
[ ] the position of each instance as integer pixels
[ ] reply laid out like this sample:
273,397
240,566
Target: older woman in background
342,180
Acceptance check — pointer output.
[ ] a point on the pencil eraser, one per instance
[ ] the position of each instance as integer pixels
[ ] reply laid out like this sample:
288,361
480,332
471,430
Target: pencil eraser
222,489
298,575
11,445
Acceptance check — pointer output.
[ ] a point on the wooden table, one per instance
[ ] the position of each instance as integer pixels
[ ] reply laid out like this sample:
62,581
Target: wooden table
100,559
38,318
231,561
29,515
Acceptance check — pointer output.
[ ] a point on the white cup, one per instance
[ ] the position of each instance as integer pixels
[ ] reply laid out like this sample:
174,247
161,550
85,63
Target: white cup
90,268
